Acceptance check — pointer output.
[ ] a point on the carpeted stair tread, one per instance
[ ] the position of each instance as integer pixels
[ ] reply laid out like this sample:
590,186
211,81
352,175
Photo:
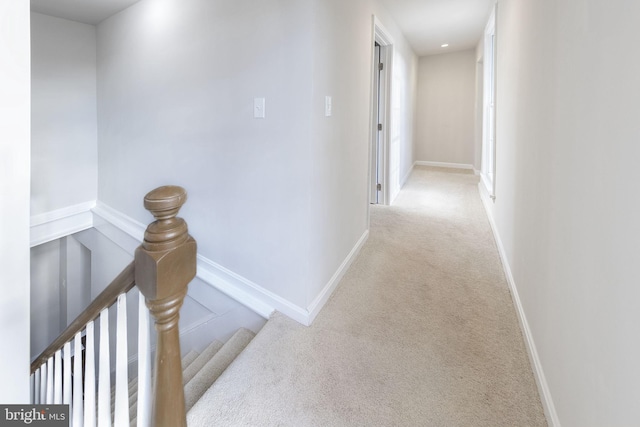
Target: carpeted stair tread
200,370
187,360
190,371
207,375
191,364
133,384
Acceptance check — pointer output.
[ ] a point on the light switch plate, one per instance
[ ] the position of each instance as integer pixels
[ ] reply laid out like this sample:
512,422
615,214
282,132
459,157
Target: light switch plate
327,106
258,108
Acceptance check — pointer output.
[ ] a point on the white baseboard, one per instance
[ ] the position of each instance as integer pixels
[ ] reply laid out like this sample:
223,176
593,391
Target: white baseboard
240,289
407,175
541,381
57,224
251,295
265,302
445,165
244,291
53,225
322,298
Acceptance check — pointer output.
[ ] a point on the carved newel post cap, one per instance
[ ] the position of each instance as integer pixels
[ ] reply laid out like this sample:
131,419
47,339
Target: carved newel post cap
166,260
165,202
167,231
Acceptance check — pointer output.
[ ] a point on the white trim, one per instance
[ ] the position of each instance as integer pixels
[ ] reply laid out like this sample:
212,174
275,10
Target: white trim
237,287
541,381
63,213
53,225
381,35
406,176
445,165
322,298
488,186
265,302
56,224
489,103
244,291
241,289
125,223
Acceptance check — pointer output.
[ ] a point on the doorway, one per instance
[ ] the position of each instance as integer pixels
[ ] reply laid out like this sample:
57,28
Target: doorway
378,108
380,97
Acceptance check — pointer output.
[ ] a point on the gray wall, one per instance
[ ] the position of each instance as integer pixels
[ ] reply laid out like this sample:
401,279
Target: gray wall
567,203
64,161
175,102
339,162
446,108
280,201
45,296
181,76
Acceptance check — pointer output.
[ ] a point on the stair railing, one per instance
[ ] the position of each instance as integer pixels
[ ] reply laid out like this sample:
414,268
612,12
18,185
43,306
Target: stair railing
164,265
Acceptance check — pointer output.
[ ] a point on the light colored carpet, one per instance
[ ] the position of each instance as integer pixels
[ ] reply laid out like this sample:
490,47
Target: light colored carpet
190,371
211,370
420,332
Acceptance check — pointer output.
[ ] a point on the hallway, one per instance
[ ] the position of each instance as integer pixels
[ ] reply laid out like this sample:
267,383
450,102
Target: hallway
421,331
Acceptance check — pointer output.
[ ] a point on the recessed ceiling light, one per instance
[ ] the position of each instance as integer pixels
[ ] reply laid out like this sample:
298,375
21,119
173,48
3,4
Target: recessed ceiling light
445,45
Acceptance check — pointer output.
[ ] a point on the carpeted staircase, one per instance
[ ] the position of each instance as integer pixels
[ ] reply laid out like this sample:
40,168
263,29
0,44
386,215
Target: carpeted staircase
199,370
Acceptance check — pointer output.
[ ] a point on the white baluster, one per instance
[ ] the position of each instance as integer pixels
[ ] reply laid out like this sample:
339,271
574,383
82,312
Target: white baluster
89,378
66,373
104,373
32,383
144,365
121,417
57,378
36,391
49,381
43,383
77,416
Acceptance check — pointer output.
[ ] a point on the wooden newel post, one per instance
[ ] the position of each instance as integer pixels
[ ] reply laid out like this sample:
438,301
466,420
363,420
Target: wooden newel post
165,263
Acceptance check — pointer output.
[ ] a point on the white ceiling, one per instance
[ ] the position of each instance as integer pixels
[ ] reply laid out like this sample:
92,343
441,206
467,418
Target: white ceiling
87,11
427,24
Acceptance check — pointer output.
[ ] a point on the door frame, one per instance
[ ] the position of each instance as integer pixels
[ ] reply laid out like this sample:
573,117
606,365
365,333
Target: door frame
489,138
379,155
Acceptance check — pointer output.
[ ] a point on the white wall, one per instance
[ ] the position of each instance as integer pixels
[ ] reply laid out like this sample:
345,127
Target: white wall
404,105
14,200
340,148
280,201
404,98
446,108
63,114
75,277
176,82
479,105
567,204
107,259
46,301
